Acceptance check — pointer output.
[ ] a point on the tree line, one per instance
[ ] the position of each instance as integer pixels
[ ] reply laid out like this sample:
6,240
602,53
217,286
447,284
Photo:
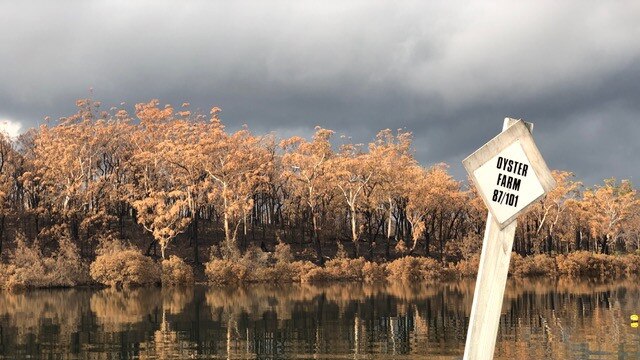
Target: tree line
179,178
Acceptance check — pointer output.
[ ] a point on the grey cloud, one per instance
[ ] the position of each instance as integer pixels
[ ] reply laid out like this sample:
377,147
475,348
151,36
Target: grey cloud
448,72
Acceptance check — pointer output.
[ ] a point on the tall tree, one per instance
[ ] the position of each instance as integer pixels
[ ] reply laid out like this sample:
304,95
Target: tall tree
235,166
551,210
351,171
160,201
305,164
182,154
609,206
391,157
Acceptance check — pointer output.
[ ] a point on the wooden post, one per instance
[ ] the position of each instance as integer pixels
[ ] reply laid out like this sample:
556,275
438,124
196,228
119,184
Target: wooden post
490,284
489,291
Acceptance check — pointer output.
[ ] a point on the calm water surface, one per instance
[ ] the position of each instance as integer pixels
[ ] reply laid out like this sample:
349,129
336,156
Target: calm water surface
552,320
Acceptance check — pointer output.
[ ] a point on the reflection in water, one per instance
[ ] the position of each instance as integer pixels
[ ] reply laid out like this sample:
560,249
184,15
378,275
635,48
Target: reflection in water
556,320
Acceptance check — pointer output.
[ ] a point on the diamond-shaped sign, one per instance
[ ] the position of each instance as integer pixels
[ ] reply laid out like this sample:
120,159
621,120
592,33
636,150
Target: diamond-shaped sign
509,173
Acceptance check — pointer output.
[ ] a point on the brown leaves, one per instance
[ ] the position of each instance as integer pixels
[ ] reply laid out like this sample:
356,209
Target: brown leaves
162,214
609,207
149,113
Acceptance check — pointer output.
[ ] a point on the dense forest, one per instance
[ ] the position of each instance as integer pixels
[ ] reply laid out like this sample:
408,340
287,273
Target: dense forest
171,181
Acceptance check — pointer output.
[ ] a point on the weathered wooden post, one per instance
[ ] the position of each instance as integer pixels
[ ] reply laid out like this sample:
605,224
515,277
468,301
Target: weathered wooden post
510,175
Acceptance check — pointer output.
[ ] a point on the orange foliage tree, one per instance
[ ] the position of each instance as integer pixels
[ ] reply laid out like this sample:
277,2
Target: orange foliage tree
351,171
609,208
235,166
163,174
305,168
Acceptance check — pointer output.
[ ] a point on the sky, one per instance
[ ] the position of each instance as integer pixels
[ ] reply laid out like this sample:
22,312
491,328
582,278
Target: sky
449,72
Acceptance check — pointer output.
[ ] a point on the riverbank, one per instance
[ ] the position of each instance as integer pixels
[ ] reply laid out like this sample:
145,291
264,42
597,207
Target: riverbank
119,266
412,269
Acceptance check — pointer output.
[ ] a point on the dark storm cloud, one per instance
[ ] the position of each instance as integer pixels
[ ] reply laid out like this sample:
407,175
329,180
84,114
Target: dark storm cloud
448,72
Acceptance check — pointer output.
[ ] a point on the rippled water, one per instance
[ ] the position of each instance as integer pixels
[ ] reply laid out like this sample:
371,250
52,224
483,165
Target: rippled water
552,320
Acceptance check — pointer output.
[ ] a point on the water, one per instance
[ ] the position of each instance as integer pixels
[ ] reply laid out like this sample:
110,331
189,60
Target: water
541,320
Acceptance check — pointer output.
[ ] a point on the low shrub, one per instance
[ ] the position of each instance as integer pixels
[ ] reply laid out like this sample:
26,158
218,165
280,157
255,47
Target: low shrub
586,263
29,268
414,269
450,272
632,264
469,267
316,275
6,271
373,272
253,266
282,253
299,268
344,269
258,266
175,272
254,257
514,262
225,272
293,272
532,266
127,267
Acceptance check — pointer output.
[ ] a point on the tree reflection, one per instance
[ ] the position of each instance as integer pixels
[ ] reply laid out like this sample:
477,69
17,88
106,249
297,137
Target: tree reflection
556,319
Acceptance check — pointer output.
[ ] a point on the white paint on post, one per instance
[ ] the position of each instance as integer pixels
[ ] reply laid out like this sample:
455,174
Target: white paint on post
507,189
489,290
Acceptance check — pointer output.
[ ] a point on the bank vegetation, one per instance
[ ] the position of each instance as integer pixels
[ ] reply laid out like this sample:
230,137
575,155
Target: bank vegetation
169,195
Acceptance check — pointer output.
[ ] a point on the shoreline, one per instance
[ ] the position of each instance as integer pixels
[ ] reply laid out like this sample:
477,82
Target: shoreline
247,271
511,281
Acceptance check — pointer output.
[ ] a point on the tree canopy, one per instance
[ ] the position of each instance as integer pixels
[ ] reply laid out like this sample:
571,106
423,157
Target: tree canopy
160,176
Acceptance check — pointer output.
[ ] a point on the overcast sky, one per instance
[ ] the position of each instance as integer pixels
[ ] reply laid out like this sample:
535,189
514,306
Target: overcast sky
447,71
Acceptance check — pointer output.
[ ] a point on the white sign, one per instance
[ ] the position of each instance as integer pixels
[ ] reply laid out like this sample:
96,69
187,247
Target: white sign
509,182
509,173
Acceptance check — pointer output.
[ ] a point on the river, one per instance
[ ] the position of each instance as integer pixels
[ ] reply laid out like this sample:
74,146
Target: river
561,319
